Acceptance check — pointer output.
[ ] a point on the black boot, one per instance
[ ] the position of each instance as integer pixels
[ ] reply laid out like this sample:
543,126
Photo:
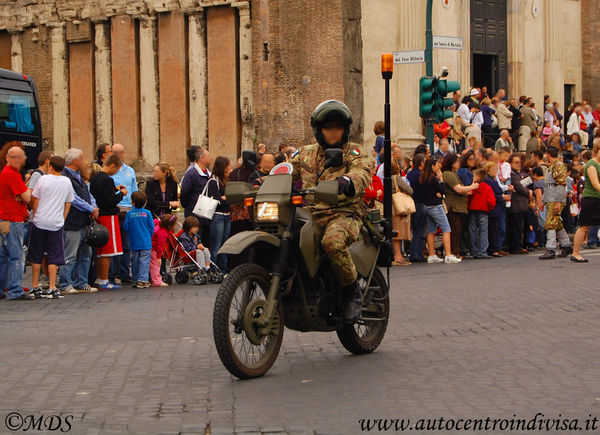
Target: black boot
565,251
548,255
352,297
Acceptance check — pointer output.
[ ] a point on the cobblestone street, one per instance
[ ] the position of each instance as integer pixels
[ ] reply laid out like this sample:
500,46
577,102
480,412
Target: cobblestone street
479,339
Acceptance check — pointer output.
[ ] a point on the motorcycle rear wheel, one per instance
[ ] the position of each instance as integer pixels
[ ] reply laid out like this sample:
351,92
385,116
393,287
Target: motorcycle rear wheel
241,298
365,336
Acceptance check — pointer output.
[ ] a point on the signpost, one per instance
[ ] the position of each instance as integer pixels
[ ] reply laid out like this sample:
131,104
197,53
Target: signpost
415,56
448,42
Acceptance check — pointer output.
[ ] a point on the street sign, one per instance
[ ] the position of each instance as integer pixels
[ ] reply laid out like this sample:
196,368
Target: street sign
448,42
415,56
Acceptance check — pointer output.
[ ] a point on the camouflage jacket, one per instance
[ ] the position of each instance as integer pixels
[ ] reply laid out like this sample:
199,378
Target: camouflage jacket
555,189
309,162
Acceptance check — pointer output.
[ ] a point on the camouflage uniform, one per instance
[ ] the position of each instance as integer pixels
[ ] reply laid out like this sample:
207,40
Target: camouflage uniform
339,224
555,192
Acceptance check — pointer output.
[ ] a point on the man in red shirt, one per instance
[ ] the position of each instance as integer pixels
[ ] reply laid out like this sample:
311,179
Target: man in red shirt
14,197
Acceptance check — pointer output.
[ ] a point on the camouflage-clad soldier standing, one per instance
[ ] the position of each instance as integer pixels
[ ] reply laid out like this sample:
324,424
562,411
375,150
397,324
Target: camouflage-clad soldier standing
554,199
339,224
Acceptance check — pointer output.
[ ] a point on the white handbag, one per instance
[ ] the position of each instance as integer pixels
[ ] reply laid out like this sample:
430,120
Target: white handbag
205,206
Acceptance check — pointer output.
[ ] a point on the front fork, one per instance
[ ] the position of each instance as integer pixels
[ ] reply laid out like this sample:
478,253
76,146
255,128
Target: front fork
279,269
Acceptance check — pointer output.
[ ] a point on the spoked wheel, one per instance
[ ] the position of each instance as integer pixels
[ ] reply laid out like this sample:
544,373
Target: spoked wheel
366,334
243,349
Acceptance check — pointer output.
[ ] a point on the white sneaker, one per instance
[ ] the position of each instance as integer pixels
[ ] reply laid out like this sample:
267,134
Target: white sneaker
69,290
434,259
451,259
87,289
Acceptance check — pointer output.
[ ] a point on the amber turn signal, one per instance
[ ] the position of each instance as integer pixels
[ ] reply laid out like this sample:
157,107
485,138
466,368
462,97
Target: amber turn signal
297,200
248,202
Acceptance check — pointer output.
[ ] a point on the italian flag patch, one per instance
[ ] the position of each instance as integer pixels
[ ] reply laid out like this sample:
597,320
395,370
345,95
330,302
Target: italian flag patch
355,152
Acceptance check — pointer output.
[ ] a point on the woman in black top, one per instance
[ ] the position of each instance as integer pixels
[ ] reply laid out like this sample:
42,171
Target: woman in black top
220,225
432,189
162,190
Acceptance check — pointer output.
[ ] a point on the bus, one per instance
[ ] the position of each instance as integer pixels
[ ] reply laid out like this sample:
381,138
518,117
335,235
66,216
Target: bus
19,116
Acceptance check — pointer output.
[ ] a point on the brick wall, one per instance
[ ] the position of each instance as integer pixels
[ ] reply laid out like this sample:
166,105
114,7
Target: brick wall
590,17
304,66
37,64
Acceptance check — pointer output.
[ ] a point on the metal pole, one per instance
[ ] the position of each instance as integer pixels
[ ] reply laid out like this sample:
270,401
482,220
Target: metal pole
387,165
429,68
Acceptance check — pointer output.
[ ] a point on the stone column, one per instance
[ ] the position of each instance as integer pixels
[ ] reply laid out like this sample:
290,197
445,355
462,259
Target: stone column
553,71
411,36
173,93
149,92
197,79
103,83
60,89
245,53
516,52
16,40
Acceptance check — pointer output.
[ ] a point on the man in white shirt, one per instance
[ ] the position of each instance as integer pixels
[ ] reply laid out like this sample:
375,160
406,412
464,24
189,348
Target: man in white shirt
51,201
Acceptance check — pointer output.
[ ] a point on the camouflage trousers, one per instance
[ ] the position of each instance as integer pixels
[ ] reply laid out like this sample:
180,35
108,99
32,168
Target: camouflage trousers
339,232
555,228
553,220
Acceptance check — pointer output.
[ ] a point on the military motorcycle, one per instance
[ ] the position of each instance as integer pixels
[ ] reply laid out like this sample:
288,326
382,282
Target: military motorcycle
287,280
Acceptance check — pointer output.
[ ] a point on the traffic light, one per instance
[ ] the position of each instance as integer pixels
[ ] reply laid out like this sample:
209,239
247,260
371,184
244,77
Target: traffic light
426,95
433,98
442,101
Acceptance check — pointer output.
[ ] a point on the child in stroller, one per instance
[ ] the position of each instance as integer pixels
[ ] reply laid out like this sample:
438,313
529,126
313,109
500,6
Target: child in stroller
190,258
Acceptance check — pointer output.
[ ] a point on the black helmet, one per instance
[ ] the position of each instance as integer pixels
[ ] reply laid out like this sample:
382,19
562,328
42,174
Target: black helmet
97,235
331,111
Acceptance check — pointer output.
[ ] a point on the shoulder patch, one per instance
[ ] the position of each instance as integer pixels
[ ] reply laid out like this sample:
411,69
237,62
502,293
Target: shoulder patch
355,152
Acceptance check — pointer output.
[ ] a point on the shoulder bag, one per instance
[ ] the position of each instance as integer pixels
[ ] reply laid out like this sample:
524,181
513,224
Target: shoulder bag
205,206
403,203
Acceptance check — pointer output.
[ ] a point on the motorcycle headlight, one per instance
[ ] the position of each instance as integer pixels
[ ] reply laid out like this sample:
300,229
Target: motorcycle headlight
267,212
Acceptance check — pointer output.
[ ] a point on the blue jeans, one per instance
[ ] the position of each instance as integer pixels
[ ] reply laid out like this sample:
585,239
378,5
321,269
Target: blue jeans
12,259
436,218
78,256
593,236
220,227
140,265
478,229
120,265
418,223
502,229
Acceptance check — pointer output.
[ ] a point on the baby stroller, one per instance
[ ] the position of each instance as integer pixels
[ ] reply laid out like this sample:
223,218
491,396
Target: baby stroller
185,266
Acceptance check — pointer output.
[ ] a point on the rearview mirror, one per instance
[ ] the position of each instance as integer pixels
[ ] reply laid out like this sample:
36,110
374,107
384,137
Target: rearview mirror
333,158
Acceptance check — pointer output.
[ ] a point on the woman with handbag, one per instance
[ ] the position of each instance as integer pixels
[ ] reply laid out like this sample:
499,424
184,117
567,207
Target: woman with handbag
404,206
220,225
456,200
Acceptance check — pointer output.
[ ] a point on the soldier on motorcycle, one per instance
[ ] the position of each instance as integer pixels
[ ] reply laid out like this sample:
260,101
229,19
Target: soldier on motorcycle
339,225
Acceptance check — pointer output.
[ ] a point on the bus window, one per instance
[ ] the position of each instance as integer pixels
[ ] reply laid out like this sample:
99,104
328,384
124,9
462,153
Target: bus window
18,112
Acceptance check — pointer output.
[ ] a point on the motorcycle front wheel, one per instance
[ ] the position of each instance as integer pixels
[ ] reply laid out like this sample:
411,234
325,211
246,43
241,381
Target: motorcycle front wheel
366,334
241,298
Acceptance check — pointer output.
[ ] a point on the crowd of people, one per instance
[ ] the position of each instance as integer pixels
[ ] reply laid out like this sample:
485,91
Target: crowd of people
502,180
48,216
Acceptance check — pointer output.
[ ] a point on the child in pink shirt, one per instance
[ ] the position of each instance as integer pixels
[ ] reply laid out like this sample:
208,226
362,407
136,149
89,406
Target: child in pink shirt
163,226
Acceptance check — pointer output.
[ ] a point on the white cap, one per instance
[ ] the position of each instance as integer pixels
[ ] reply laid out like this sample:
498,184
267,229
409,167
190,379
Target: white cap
474,92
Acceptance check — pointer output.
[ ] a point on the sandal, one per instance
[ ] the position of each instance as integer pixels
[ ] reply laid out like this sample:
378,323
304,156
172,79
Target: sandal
404,263
579,260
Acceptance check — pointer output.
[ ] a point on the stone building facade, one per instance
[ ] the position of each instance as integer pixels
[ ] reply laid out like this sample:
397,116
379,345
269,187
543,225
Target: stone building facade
160,75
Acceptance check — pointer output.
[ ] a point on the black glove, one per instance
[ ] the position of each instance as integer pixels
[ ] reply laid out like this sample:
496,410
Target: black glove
345,186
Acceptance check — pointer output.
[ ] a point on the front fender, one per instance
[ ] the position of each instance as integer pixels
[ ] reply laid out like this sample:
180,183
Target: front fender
238,243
